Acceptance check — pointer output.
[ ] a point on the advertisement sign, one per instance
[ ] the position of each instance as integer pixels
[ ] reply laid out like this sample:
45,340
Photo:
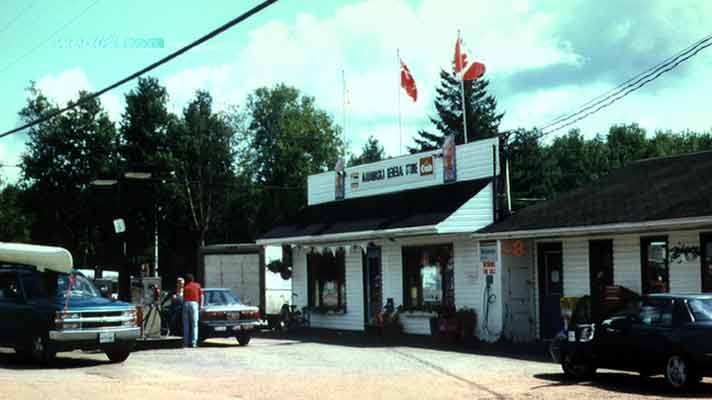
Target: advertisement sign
449,167
488,257
340,179
399,171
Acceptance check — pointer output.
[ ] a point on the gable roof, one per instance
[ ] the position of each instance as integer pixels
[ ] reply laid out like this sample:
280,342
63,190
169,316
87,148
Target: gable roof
405,209
647,190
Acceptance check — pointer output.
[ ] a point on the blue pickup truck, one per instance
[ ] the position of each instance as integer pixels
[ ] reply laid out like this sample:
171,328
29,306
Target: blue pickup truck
47,307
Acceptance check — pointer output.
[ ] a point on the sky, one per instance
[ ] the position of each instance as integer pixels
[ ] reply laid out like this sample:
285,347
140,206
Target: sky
543,58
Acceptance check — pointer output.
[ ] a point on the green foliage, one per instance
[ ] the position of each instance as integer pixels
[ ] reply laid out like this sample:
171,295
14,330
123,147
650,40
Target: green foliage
482,116
371,151
14,223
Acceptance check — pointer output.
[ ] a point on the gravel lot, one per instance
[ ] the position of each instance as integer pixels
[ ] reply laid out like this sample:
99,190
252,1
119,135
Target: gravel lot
330,367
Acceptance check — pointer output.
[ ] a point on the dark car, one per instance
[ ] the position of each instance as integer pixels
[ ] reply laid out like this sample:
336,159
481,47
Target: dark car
656,334
223,315
44,311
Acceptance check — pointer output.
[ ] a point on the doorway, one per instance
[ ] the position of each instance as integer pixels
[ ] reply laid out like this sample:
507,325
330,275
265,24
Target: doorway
551,288
372,288
706,259
600,262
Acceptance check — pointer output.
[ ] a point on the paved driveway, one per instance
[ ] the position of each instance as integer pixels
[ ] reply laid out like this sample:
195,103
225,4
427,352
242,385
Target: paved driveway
315,368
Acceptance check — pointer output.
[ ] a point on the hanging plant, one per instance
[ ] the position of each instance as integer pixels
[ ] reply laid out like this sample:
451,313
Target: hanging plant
683,251
279,267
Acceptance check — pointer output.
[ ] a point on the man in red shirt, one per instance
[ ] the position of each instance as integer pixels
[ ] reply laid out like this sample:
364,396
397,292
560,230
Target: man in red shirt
192,303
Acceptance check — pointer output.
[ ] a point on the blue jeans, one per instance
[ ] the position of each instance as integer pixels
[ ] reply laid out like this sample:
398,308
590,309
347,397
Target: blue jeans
190,323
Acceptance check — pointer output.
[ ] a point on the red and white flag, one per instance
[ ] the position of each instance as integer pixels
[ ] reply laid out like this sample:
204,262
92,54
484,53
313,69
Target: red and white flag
407,82
463,69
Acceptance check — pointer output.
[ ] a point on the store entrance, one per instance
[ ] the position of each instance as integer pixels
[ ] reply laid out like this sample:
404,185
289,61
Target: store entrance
372,292
551,288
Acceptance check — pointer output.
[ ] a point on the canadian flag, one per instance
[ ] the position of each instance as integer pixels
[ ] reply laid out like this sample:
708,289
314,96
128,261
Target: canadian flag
407,82
462,69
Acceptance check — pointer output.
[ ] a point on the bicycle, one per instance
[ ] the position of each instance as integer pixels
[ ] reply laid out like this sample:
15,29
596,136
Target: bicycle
290,318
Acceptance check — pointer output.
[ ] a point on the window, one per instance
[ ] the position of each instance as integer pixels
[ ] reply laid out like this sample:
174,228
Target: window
701,309
35,285
656,313
654,264
428,279
9,290
326,281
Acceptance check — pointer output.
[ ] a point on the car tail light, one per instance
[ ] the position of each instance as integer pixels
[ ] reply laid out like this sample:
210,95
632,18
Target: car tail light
214,315
250,315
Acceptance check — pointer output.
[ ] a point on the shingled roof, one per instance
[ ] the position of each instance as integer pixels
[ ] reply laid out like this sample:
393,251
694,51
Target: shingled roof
648,190
405,209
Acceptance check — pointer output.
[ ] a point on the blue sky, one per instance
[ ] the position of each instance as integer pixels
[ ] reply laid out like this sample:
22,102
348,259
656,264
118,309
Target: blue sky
543,57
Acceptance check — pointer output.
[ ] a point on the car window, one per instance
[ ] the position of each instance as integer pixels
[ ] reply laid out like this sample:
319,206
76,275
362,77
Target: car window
220,298
655,313
76,286
34,286
701,309
9,290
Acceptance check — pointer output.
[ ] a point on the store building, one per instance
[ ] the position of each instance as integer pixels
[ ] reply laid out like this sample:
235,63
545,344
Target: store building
400,230
647,227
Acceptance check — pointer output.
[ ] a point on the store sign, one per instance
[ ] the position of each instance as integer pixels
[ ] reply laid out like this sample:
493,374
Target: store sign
402,171
449,164
488,257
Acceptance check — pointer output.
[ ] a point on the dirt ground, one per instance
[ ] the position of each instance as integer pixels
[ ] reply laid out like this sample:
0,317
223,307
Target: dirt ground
273,368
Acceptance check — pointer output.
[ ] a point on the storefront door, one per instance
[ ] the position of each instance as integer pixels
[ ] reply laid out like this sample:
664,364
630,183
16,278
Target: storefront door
600,261
706,258
373,295
551,288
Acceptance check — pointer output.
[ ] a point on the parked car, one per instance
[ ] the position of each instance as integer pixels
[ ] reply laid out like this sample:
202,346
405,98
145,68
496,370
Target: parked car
46,307
659,333
223,315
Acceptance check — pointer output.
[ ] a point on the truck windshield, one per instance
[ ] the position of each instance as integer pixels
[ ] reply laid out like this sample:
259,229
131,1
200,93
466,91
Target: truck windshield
81,287
701,309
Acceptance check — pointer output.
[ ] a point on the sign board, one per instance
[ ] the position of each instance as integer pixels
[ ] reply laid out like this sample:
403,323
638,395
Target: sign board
488,257
119,225
401,171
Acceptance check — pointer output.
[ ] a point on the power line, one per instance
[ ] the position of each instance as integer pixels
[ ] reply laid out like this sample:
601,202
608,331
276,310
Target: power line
50,37
602,97
17,16
631,89
156,64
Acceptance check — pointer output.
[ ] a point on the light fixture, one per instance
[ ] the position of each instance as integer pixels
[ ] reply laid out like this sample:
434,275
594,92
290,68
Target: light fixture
103,182
137,175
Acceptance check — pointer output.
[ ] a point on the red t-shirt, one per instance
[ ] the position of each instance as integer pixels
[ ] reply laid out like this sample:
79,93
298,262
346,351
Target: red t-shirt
192,292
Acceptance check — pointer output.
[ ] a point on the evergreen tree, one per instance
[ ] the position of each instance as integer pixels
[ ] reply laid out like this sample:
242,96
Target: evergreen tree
371,151
482,116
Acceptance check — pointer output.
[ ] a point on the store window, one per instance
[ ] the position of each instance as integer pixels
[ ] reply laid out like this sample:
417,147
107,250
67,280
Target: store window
428,277
654,264
326,281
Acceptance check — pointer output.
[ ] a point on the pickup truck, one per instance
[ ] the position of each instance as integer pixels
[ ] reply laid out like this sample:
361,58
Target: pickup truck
47,307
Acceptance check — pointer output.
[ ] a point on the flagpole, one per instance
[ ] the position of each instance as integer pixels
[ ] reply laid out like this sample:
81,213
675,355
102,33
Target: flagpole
400,128
343,108
462,94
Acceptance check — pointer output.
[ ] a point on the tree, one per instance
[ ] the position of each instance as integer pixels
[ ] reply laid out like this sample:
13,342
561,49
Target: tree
62,156
286,138
482,116
530,164
14,223
203,157
627,143
371,151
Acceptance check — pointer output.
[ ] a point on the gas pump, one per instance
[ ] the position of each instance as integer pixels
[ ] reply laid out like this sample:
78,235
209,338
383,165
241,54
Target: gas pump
146,295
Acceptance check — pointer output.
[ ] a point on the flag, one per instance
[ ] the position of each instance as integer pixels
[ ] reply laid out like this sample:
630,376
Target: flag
408,83
465,71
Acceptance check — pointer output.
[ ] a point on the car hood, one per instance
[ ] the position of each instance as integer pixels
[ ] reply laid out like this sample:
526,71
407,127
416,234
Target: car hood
231,307
78,303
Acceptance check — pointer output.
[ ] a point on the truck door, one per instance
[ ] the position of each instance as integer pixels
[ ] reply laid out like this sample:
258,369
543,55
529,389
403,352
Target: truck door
10,296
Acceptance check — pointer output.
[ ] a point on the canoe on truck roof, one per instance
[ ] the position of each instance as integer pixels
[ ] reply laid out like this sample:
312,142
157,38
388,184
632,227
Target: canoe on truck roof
42,257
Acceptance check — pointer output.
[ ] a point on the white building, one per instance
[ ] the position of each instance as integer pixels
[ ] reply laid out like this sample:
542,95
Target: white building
401,230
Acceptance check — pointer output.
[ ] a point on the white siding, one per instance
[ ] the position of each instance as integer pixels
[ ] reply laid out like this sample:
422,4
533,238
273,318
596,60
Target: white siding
474,159
576,268
392,264
353,318
626,262
321,188
685,276
476,213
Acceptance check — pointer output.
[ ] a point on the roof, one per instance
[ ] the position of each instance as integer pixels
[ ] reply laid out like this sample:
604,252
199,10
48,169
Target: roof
41,257
405,209
648,190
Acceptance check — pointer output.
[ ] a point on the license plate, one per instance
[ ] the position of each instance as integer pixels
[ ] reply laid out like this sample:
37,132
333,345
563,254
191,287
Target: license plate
233,315
220,329
106,337
572,336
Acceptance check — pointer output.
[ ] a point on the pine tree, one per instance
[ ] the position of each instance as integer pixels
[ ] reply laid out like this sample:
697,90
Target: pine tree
482,117
371,151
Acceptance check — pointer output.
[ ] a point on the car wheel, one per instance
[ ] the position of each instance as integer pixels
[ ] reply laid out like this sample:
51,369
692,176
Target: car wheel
679,373
38,351
118,355
243,339
576,369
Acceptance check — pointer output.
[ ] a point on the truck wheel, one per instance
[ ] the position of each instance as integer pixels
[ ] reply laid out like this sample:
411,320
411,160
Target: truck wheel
244,339
118,355
38,351
679,373
577,369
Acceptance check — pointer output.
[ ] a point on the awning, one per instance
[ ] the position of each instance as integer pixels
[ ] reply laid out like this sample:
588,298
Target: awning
42,257
408,212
